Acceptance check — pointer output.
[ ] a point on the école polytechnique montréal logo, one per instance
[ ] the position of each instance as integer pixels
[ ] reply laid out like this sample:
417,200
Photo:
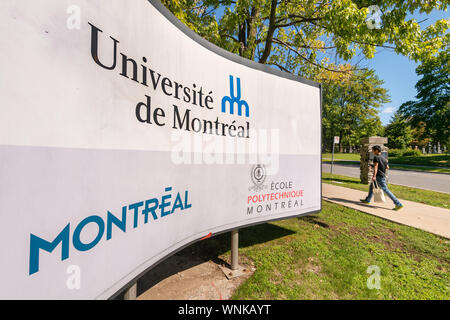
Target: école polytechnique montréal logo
258,175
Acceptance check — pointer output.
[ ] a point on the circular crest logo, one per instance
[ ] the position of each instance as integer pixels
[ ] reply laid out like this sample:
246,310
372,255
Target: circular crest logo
258,175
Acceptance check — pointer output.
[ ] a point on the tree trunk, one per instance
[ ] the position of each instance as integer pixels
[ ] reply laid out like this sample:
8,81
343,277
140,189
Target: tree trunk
270,32
250,46
247,34
242,38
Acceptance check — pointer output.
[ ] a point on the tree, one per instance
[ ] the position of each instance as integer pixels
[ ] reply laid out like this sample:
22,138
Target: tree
398,132
350,108
300,36
316,39
433,98
420,137
198,16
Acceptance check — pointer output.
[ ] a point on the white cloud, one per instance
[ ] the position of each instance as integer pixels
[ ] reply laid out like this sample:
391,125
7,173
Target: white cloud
388,110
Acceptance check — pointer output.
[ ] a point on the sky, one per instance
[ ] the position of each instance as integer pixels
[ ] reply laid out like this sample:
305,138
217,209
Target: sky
398,72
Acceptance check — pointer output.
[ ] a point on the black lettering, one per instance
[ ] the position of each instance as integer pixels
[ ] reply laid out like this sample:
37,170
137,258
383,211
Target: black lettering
177,85
94,47
125,61
158,113
187,94
155,82
166,82
148,110
176,117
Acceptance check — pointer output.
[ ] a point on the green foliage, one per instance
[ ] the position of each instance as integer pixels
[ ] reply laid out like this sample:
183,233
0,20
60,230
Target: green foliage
433,99
412,153
395,152
406,152
300,36
398,132
420,135
350,108
196,15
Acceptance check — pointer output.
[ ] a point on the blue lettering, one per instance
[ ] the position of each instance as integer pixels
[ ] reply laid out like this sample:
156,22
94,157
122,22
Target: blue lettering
178,203
122,224
135,207
63,238
80,246
150,209
186,204
37,243
165,204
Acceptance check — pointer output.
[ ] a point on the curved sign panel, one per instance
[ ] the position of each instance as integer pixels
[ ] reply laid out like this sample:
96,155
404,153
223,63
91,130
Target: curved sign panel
124,137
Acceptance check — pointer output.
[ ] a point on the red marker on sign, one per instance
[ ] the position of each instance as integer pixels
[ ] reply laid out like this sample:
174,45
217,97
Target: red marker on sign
207,236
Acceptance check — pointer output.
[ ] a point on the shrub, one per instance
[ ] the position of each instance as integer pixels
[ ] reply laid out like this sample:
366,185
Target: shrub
395,152
404,153
412,152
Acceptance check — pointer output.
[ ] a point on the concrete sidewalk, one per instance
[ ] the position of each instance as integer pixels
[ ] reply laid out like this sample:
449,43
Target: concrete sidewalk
421,216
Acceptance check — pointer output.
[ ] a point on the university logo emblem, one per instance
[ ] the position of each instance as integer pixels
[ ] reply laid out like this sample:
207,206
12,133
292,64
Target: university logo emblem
258,175
235,99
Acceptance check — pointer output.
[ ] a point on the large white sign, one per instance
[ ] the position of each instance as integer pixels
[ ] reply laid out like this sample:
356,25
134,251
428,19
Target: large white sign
125,137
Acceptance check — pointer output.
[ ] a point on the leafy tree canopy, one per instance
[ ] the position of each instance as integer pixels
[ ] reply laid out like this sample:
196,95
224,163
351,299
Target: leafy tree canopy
301,36
318,39
350,108
433,98
399,132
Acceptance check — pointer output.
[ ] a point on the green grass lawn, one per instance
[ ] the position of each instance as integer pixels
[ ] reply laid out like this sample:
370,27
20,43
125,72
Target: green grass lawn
437,162
397,166
437,199
342,156
419,168
327,257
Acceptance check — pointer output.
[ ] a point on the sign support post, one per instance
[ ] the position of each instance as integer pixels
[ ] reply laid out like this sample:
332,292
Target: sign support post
335,140
131,292
235,249
332,159
235,270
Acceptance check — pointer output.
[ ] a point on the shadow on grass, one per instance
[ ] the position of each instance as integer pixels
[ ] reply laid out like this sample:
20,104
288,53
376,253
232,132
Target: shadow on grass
313,220
207,250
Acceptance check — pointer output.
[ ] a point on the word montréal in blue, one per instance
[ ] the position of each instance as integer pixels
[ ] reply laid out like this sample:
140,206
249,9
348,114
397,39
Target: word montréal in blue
155,207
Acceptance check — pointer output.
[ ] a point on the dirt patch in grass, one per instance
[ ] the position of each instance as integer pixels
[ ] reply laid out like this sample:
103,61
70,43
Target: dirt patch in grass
312,266
189,276
277,277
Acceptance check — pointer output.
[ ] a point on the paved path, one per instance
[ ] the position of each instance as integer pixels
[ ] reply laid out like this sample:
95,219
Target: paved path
423,180
421,216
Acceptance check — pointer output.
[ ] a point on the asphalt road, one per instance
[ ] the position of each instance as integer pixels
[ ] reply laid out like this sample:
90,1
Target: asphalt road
423,180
